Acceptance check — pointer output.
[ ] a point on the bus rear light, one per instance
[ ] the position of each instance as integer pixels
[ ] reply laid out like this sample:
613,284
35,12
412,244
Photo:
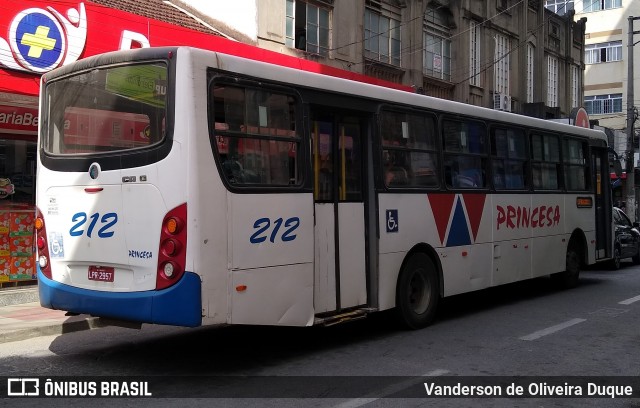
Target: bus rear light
42,244
173,225
172,248
43,262
169,269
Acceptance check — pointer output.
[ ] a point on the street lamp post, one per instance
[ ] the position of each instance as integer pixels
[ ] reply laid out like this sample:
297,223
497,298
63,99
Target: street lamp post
630,165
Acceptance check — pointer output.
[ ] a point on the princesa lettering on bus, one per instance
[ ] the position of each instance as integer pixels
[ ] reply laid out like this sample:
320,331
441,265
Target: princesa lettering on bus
524,217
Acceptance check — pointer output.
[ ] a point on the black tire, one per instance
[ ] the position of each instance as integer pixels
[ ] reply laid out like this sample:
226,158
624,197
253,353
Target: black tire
636,257
614,263
569,278
417,292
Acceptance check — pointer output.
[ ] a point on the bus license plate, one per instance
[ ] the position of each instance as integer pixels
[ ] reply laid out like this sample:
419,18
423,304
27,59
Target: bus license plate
101,273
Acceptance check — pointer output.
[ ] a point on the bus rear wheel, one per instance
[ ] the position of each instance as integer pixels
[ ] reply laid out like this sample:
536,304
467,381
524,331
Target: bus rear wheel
417,292
569,278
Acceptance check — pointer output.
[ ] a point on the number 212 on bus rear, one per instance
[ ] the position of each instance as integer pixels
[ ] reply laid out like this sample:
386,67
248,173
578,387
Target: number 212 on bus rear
186,187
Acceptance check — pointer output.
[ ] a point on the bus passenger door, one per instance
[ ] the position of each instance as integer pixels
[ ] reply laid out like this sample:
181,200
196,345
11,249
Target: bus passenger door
340,244
603,202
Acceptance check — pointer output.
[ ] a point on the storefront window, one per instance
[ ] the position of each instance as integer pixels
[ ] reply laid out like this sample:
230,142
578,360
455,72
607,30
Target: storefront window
17,173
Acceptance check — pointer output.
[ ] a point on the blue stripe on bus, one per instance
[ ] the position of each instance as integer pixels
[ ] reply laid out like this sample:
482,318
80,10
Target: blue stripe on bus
178,305
459,230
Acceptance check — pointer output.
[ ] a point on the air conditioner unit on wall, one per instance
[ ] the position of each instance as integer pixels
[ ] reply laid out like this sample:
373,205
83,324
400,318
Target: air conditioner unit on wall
501,102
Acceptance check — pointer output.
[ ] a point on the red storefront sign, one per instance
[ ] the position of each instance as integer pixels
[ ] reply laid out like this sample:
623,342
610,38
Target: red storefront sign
37,36
18,119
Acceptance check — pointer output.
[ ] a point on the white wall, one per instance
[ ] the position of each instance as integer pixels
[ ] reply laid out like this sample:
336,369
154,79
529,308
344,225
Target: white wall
240,15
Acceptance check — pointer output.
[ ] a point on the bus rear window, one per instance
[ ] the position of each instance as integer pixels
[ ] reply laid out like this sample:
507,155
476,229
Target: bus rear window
104,110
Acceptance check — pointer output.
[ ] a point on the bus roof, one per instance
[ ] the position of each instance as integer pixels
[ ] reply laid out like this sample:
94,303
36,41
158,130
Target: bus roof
314,80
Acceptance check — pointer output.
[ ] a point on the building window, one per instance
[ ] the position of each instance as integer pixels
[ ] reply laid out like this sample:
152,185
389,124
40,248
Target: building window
597,5
307,27
437,45
501,66
575,86
603,52
560,7
602,104
552,81
530,72
381,37
474,53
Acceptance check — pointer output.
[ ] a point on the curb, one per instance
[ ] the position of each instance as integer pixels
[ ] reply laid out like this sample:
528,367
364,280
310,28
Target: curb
83,323
13,296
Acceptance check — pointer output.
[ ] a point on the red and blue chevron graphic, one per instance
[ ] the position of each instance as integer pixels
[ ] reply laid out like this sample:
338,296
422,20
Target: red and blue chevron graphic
457,217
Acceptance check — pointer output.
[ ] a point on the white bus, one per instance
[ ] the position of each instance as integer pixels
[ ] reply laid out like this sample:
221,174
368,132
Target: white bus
186,187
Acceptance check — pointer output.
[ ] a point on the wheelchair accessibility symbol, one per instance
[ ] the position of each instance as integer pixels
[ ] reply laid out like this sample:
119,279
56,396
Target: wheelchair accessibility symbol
392,220
56,245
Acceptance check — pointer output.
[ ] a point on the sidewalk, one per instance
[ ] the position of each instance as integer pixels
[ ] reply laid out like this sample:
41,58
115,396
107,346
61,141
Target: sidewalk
22,317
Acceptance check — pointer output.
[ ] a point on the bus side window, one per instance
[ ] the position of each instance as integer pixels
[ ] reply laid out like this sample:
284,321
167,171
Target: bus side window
509,158
465,153
546,166
409,149
395,174
448,175
233,169
255,133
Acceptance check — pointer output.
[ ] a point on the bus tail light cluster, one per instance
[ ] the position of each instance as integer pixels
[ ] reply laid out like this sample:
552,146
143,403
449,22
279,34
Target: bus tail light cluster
42,244
173,247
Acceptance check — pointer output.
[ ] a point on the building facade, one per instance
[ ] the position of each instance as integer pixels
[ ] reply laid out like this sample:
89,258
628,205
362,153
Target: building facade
606,60
606,55
606,70
502,54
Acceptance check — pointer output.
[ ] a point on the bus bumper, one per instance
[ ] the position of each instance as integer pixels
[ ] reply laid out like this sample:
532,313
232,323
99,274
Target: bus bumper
178,305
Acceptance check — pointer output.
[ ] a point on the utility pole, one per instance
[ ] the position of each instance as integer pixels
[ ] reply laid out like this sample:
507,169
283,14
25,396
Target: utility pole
630,165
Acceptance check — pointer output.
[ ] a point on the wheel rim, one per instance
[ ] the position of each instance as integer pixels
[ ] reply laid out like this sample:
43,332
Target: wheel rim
419,293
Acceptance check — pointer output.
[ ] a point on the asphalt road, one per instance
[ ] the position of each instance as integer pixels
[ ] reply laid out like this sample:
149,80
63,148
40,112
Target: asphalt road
527,334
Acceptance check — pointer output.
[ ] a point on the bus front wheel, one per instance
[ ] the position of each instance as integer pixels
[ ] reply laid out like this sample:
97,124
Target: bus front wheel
417,292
